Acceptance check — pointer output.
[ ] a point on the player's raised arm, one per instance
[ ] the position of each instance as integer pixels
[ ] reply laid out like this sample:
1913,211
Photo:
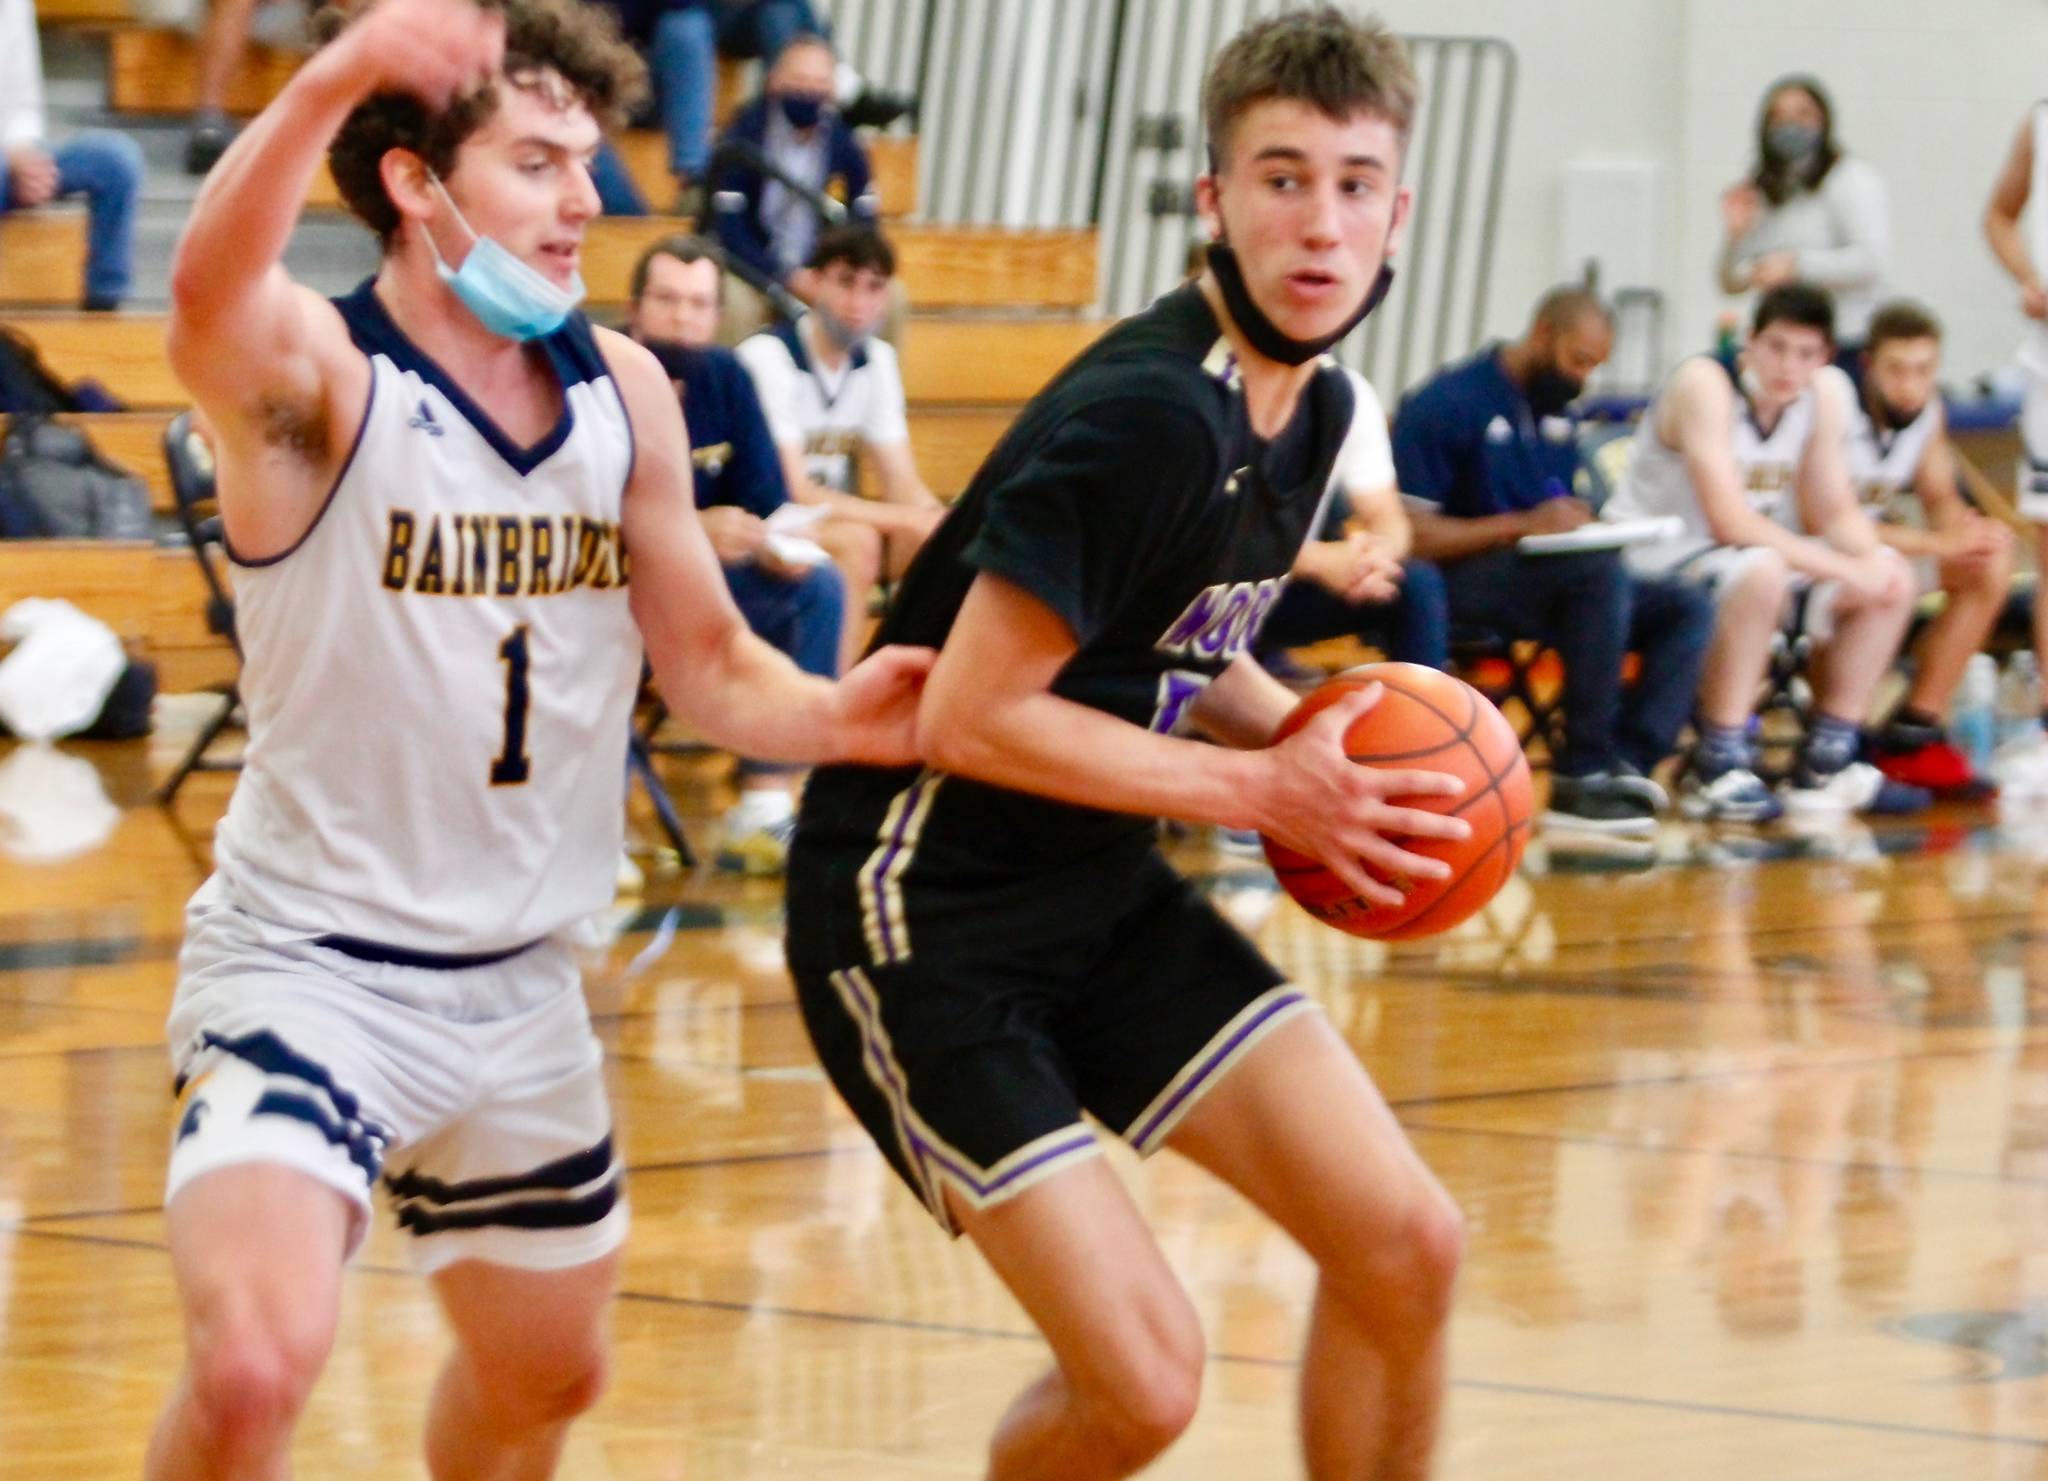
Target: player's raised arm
712,670
243,338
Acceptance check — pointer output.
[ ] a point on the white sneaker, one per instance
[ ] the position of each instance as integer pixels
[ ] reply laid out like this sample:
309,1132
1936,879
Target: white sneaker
2020,767
1737,795
1858,787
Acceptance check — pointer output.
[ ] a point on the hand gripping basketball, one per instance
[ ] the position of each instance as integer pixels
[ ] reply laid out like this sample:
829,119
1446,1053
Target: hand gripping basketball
1440,747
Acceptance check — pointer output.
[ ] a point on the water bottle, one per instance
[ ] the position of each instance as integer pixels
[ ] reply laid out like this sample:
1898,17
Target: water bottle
2019,699
1973,715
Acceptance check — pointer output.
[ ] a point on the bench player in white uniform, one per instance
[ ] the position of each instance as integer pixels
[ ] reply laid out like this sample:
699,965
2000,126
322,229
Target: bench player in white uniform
430,489
2024,254
1753,467
1904,473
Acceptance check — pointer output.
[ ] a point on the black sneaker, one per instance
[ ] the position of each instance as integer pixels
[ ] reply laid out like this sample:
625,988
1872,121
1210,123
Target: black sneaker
1598,804
205,145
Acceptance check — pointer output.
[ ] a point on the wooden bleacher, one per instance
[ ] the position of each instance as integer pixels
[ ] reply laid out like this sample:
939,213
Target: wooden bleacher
156,70
42,256
645,152
944,267
996,319
981,360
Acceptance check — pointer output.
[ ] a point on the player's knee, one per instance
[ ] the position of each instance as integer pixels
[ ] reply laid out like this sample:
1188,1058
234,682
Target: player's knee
1154,1399
250,1378
532,1390
1765,582
1403,1277
857,550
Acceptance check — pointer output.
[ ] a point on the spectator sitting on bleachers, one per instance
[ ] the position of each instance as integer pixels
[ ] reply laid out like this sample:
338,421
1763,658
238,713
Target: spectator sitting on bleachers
763,224
797,605
1751,462
1487,452
223,42
103,166
1899,457
683,40
833,391
1353,579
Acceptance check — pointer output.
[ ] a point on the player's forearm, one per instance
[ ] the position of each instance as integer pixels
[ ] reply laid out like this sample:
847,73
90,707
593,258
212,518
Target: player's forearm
2009,247
1244,706
1851,532
742,694
1444,537
1053,747
245,213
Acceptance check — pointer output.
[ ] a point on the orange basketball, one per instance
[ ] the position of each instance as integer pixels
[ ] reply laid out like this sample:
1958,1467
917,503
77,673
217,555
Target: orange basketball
1425,721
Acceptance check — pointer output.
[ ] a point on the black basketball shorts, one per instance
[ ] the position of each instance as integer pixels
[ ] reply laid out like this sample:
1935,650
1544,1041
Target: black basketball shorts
972,1074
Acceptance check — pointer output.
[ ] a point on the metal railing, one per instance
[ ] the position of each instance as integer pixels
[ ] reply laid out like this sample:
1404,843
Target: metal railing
1046,113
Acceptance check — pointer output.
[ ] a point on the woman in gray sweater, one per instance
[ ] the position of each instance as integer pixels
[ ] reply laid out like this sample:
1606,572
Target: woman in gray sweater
1808,211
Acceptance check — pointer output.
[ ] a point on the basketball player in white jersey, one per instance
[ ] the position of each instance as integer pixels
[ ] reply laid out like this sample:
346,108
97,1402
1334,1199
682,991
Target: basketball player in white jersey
2024,254
431,488
1904,474
1751,464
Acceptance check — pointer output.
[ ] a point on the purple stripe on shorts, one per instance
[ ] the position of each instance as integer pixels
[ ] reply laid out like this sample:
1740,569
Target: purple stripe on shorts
888,858
921,1151
1140,1134
1083,1140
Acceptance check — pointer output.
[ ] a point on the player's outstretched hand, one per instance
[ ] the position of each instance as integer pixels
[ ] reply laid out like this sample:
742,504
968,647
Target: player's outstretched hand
877,717
1316,800
438,50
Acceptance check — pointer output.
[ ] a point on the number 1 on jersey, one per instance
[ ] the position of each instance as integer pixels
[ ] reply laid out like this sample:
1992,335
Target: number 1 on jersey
513,764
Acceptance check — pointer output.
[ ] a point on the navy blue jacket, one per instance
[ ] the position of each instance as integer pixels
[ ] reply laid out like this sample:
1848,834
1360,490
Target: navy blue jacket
734,458
1465,439
736,190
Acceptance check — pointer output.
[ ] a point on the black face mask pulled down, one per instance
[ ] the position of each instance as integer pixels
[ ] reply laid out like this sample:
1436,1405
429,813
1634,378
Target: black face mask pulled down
1264,334
1550,391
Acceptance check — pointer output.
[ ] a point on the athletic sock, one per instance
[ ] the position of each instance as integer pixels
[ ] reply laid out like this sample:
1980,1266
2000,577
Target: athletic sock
1830,745
1721,748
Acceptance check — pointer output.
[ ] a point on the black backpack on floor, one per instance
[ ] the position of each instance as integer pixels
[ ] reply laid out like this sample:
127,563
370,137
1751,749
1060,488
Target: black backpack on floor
55,485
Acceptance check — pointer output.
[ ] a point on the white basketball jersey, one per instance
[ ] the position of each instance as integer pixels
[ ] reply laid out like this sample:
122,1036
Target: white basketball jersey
438,677
2033,353
1657,483
1884,461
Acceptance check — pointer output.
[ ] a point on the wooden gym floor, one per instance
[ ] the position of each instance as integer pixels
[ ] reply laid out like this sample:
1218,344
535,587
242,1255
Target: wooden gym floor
1753,1144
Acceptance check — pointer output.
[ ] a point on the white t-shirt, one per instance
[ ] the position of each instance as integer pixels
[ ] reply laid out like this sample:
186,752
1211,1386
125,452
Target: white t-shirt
1366,460
827,414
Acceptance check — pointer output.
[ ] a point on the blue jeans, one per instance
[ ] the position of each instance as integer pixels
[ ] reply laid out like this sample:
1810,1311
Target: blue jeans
105,168
801,618
1588,608
617,195
684,57
762,28
1412,628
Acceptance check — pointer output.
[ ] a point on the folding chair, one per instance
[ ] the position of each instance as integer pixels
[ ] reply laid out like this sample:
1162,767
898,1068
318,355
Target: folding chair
640,748
191,467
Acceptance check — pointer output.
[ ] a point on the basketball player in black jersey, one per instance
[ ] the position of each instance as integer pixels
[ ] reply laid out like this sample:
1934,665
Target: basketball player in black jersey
989,947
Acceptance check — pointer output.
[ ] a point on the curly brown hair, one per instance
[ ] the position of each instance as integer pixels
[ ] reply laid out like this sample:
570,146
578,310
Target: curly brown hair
578,42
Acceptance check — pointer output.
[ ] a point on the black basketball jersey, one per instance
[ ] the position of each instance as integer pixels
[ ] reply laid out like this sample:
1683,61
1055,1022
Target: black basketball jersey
1133,499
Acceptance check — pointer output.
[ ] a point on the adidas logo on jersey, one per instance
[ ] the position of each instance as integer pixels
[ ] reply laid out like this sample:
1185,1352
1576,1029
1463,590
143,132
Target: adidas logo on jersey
423,421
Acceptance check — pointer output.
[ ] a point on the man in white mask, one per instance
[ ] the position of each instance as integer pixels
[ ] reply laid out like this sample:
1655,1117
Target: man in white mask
430,487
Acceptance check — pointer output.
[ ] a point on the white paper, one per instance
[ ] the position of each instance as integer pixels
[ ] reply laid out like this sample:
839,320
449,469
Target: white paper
1603,534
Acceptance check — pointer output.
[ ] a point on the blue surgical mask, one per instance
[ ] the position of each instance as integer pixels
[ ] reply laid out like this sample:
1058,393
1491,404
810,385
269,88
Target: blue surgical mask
507,296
